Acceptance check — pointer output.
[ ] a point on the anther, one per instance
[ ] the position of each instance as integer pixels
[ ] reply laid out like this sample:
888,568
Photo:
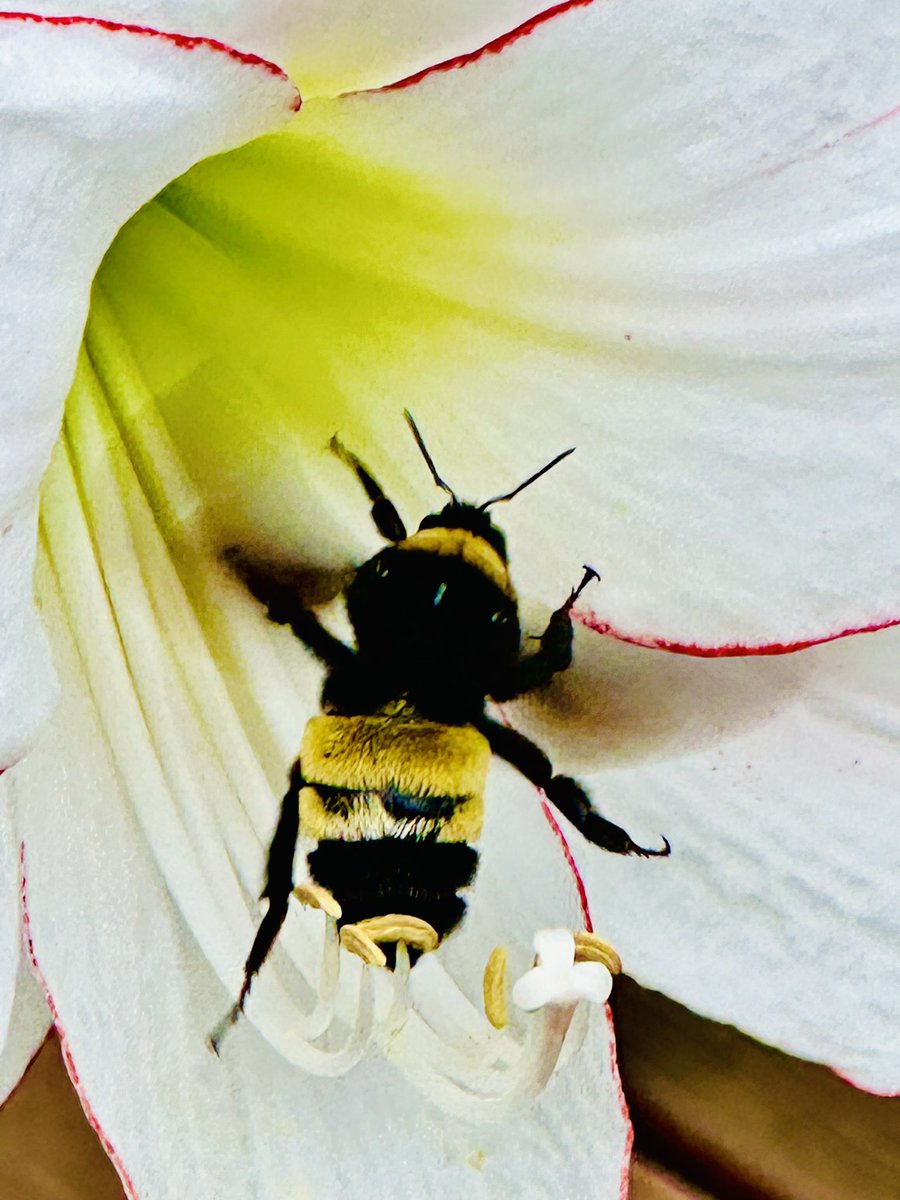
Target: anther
314,896
399,927
360,944
590,948
496,988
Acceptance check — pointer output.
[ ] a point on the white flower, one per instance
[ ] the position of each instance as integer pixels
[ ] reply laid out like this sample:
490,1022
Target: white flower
667,234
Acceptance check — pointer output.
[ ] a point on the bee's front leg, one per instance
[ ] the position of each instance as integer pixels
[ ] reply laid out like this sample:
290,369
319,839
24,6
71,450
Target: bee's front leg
554,652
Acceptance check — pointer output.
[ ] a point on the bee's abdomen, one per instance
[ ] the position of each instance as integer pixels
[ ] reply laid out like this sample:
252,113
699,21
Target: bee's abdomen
393,803
396,875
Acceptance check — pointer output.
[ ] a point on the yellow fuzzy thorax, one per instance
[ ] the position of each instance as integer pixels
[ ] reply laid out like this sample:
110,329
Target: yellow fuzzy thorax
460,543
371,754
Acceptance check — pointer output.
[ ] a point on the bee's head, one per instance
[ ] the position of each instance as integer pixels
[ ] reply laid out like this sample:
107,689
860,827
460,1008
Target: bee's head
466,530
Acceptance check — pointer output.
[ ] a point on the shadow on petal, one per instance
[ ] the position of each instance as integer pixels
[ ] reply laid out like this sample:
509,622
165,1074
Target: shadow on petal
620,703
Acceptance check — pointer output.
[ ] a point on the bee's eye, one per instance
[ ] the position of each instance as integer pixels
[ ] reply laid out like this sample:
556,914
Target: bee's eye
381,567
498,618
439,594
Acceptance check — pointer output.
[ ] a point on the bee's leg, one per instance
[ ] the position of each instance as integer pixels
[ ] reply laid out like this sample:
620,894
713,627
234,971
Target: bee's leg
565,794
279,884
387,520
554,653
284,606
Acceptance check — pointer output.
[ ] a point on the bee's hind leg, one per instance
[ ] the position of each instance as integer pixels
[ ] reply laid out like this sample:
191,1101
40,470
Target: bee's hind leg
278,888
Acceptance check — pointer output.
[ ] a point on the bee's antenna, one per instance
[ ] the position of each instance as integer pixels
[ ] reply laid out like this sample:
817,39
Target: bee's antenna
431,467
531,478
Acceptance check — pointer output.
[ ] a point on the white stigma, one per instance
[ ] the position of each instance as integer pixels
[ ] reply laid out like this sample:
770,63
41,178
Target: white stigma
556,978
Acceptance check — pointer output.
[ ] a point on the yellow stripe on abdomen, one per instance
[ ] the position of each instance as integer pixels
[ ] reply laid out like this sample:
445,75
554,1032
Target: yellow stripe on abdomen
368,755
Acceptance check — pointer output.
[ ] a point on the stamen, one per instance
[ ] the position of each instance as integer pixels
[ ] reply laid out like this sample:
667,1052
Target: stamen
468,1068
496,987
482,1093
401,962
398,927
339,1061
359,943
464,1063
366,1028
319,1020
590,948
314,896
310,1025
392,1024
458,1023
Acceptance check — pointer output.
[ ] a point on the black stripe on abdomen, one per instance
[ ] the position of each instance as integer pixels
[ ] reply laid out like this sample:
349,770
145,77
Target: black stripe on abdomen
397,804
419,878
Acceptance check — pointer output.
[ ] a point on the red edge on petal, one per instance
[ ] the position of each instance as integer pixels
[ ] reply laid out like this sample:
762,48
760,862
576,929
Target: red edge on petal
68,1058
732,650
883,1093
571,863
625,1178
182,40
495,46
564,845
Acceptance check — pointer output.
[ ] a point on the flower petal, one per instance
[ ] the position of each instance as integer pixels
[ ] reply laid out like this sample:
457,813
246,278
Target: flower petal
93,120
29,1024
145,807
775,780
607,236
24,1017
329,46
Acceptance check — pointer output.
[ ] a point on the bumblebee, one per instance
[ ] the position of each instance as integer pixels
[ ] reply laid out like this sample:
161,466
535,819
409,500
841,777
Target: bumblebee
390,778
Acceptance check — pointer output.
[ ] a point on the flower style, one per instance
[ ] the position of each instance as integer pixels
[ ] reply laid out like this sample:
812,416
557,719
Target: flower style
666,235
